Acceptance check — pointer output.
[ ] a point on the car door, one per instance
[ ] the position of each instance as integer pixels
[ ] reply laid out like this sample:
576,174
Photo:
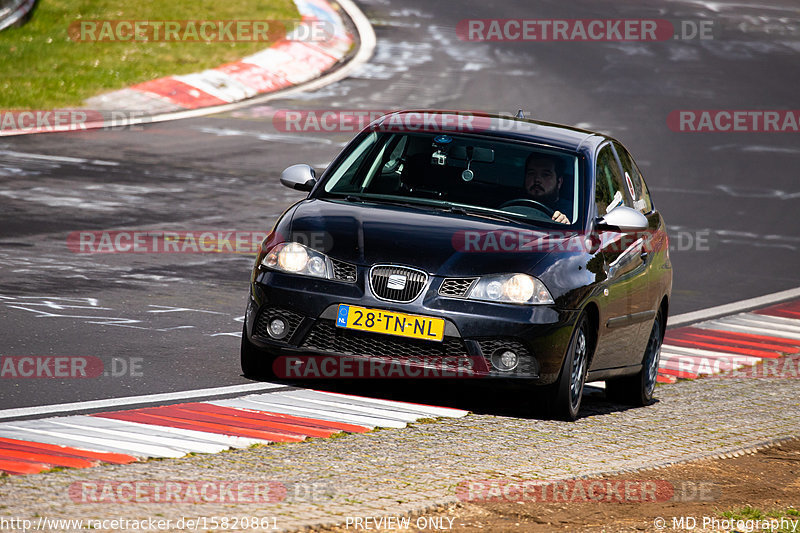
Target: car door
647,298
623,258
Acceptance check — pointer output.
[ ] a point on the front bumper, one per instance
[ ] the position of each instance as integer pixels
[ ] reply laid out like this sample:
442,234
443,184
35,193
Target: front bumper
475,330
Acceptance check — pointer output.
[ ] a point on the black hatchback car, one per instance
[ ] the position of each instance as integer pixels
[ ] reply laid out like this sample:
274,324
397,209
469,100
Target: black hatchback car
507,247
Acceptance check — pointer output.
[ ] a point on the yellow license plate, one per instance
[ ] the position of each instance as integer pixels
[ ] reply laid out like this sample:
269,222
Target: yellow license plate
390,323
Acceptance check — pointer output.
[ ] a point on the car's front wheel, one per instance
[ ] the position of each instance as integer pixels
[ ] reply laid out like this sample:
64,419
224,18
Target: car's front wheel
568,393
255,363
638,389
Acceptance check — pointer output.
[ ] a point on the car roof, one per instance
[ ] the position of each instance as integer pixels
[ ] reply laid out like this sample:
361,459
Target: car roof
490,125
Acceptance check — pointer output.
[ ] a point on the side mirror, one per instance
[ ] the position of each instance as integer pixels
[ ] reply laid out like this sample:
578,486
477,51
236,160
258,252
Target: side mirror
299,177
623,219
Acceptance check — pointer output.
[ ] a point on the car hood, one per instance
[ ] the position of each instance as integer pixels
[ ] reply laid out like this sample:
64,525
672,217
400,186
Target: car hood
441,243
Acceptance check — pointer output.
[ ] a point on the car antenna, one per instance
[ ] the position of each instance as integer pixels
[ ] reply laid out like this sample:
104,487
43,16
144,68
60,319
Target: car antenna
520,114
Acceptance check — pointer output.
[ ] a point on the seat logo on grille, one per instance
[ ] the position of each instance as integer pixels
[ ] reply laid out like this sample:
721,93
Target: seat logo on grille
396,282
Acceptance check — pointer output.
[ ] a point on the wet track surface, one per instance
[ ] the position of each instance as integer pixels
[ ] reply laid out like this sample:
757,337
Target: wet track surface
176,317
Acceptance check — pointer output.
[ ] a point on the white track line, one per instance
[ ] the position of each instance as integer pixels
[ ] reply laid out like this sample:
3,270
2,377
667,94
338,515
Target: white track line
350,408
699,353
776,322
134,400
109,427
756,325
319,414
32,435
774,319
356,402
735,307
90,442
58,158
719,325
428,410
80,432
354,413
228,441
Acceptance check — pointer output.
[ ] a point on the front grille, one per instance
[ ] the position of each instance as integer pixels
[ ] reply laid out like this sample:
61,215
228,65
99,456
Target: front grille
456,287
343,271
382,280
326,337
262,322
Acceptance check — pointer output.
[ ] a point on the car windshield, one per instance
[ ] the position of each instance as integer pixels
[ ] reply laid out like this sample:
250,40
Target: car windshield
467,174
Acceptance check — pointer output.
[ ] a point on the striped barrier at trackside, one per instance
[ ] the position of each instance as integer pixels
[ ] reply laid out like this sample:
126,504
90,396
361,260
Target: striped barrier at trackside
727,344
79,441
285,64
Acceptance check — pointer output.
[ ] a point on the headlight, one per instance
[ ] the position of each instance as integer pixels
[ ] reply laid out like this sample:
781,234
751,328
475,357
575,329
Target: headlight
513,288
298,259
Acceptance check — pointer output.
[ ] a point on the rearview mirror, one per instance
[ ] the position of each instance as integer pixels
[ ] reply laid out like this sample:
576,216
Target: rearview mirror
479,154
299,177
623,219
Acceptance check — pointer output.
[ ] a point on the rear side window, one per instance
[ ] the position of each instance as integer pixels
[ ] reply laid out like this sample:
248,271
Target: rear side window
610,187
635,181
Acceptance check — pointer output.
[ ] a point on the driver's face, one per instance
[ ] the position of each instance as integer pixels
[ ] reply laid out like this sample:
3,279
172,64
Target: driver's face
541,181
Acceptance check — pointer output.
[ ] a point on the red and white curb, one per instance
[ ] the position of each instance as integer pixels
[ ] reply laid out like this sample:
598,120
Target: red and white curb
283,70
286,63
731,342
79,441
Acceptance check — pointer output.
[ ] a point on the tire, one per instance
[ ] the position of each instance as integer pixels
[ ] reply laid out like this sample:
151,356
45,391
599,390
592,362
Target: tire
565,401
637,390
255,362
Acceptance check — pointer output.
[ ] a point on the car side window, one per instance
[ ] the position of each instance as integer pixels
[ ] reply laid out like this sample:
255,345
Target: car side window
637,186
343,179
394,164
610,185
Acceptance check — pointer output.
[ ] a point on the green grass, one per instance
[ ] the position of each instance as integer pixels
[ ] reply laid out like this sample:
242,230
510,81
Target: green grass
43,68
753,513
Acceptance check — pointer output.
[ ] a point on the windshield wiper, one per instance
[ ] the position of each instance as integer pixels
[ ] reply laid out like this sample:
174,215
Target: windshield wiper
446,207
378,200
485,214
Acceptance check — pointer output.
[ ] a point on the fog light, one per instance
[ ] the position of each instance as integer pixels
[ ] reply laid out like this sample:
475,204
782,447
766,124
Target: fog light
504,359
277,328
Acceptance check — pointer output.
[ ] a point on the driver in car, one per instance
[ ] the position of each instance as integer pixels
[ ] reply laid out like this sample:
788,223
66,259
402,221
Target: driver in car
543,179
